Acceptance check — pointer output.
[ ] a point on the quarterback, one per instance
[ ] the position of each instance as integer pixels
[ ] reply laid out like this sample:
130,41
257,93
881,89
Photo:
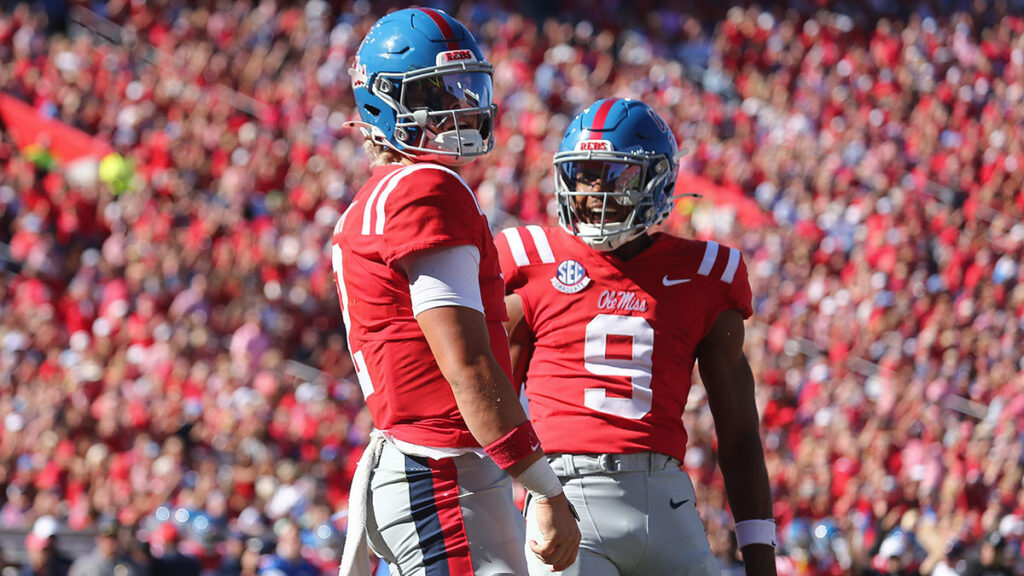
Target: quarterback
422,302
606,322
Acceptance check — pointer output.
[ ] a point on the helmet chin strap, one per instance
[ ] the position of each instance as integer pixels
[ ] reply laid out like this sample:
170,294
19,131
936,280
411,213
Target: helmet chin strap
465,141
369,129
461,139
420,117
608,242
465,144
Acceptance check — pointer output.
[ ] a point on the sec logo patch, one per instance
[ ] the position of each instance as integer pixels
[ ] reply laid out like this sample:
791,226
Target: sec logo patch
570,277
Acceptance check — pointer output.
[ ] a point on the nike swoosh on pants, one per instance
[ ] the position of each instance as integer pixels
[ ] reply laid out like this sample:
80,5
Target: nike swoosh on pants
675,504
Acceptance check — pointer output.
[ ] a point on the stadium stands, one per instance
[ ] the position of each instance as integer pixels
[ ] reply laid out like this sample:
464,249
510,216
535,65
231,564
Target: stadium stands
170,348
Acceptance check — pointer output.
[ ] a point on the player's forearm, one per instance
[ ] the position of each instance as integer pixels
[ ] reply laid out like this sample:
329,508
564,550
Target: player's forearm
489,405
729,382
461,346
749,492
746,476
486,399
458,338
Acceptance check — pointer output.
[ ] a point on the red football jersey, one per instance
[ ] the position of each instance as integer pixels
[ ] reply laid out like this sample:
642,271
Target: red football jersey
614,341
402,210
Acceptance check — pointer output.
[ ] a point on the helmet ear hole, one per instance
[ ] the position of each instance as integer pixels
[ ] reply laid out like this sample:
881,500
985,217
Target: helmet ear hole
373,110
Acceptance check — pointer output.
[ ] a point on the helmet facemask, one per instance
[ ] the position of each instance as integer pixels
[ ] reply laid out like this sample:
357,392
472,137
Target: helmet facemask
610,198
443,114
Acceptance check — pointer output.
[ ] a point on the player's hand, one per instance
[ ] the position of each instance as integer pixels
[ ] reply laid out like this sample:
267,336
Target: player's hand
560,533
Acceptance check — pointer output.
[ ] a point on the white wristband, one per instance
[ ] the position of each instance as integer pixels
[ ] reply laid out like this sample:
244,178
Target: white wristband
755,532
540,480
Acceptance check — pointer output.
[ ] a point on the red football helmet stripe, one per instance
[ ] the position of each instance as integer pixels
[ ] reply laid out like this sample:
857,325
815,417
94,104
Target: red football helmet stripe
442,24
601,117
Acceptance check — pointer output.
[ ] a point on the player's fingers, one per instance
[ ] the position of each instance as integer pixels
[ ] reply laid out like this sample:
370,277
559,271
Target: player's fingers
570,556
565,556
540,550
572,551
561,564
546,551
560,558
560,555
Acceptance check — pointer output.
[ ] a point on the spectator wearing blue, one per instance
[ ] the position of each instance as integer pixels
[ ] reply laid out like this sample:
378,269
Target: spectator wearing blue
287,558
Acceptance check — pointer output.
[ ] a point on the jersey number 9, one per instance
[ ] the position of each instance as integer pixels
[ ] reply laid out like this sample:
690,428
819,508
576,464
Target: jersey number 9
637,367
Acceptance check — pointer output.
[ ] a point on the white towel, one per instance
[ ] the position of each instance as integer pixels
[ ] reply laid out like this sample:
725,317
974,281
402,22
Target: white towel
355,560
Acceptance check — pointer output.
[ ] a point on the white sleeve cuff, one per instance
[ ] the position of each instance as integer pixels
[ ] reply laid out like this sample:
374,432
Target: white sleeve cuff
755,532
448,276
540,480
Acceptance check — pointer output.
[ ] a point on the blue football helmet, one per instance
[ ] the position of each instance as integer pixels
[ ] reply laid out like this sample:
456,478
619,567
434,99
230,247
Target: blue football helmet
622,155
423,87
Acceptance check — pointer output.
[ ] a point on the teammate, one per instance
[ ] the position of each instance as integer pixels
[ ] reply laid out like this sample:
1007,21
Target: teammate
421,298
606,321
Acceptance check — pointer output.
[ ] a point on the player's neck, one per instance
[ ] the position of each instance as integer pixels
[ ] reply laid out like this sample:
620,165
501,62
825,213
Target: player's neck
633,248
457,168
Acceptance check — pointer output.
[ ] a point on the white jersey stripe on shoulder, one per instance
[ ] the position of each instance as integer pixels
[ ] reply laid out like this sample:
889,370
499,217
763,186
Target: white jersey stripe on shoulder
730,268
515,245
382,217
540,240
368,209
710,255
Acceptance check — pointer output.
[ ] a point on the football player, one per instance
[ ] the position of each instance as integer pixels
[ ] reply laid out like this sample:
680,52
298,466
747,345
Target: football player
422,301
606,322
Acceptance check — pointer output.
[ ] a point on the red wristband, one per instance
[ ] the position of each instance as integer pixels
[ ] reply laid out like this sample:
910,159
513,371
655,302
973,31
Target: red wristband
514,446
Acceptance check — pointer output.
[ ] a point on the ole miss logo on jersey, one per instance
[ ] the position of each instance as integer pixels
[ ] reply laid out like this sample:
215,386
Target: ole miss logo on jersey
627,300
570,277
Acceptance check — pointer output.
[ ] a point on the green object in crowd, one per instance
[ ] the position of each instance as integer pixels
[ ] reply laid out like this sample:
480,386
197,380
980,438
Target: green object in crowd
117,172
40,156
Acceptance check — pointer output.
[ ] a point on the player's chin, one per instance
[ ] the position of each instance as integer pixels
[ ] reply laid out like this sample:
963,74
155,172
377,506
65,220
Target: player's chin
618,216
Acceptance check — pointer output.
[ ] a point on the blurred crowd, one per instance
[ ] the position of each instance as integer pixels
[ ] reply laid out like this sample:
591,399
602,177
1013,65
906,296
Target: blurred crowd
173,371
